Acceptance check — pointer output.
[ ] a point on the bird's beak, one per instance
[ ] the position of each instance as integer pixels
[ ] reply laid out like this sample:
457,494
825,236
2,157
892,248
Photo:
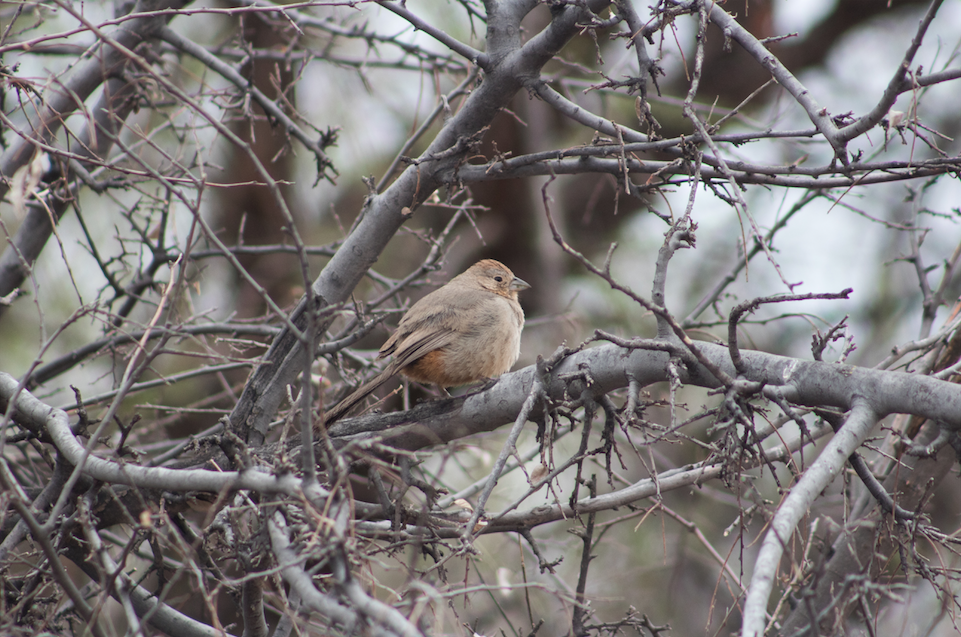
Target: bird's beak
519,284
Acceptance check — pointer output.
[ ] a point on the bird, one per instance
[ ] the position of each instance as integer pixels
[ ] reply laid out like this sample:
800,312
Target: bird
464,331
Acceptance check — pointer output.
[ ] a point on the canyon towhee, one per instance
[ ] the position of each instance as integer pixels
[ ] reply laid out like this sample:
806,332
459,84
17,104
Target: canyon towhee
465,331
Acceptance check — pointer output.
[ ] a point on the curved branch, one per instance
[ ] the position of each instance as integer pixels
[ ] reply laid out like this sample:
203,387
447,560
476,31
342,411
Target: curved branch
56,422
818,476
294,574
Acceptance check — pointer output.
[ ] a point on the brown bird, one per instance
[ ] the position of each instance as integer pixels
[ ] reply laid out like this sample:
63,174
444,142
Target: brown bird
463,332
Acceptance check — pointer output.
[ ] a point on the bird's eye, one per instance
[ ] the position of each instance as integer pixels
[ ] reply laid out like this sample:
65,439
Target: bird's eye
498,278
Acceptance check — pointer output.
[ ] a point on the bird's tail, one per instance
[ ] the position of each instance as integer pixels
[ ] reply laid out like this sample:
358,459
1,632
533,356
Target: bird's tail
341,409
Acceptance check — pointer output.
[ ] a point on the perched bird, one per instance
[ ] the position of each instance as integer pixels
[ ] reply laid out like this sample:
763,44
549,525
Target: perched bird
466,331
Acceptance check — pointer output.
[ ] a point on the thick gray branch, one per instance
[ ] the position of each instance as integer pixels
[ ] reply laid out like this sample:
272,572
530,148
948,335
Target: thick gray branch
805,383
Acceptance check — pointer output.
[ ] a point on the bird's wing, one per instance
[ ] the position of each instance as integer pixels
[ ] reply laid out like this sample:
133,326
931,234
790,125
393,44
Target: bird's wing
425,327
420,343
